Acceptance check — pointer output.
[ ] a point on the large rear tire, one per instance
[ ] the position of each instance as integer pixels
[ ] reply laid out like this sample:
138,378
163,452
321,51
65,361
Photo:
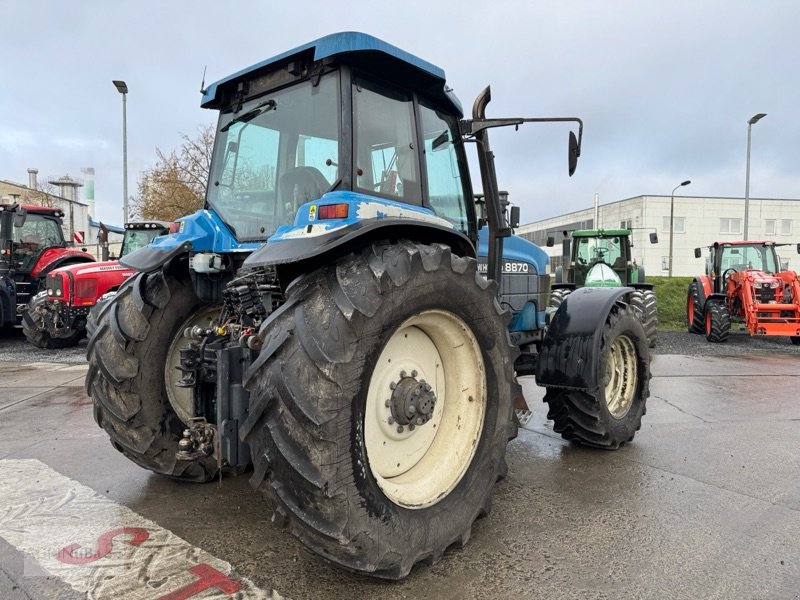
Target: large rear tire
717,321
613,415
646,303
130,363
34,327
336,444
695,322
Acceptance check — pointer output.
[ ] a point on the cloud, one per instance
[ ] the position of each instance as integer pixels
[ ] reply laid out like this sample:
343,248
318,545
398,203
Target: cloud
13,140
78,143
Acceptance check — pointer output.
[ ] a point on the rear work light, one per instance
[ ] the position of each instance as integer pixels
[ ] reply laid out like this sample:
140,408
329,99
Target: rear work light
333,211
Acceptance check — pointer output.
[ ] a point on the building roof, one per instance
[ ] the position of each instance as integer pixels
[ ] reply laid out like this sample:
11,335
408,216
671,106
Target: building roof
113,228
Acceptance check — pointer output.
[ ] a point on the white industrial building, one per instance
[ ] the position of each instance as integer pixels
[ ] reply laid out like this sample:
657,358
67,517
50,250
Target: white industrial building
698,222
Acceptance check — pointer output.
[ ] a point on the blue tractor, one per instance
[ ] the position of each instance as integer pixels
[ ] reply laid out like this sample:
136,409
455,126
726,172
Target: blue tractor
323,320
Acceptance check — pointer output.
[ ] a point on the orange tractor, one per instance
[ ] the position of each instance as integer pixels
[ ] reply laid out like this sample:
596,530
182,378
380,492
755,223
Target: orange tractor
744,283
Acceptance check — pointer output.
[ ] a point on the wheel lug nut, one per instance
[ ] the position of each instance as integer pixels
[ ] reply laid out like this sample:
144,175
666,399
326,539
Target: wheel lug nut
388,403
399,429
402,374
392,385
420,421
414,373
411,427
391,420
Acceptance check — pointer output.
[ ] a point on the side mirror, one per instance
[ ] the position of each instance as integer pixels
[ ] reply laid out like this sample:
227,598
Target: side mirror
22,214
697,253
550,241
514,218
573,153
654,238
798,248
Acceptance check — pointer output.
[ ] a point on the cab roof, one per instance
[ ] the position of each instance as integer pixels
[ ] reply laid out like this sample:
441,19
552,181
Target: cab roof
743,243
600,232
358,49
39,210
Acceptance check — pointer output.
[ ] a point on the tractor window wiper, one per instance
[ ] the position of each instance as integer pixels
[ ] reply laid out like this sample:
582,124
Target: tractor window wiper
251,114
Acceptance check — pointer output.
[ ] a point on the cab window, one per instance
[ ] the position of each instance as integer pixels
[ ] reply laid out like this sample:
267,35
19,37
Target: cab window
386,161
444,185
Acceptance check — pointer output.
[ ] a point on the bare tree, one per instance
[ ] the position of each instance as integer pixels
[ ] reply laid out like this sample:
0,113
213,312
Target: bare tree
45,194
176,185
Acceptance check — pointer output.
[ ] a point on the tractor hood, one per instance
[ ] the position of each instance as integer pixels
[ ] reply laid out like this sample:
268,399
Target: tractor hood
601,275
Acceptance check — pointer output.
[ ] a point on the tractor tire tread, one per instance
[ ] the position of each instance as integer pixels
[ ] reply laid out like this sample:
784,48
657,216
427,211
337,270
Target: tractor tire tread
302,408
582,417
126,368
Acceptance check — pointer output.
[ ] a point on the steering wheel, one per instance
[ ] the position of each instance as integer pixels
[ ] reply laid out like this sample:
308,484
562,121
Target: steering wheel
726,272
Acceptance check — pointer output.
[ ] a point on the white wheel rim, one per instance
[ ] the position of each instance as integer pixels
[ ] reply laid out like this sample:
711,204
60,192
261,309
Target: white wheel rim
621,376
180,398
418,466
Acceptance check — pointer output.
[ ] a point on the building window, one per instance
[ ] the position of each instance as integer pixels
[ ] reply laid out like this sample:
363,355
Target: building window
678,225
730,225
626,224
769,227
786,226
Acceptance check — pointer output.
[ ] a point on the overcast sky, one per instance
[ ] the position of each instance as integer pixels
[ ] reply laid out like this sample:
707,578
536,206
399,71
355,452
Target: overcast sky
665,88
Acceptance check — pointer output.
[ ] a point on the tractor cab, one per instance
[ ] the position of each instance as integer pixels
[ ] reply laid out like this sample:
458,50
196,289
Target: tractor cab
599,257
727,258
312,142
38,230
139,234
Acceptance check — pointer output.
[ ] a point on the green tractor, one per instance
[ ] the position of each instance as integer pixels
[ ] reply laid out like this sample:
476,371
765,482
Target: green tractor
602,258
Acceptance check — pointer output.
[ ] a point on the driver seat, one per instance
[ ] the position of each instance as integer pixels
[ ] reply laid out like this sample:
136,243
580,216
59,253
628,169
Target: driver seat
301,185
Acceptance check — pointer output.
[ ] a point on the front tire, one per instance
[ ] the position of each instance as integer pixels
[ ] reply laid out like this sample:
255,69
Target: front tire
718,321
129,367
34,326
695,322
612,415
361,478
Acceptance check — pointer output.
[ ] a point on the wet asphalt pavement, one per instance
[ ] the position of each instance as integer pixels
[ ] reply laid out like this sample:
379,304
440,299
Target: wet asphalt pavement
704,503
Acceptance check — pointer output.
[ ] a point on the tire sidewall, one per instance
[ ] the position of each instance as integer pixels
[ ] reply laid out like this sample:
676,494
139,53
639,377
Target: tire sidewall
625,324
434,293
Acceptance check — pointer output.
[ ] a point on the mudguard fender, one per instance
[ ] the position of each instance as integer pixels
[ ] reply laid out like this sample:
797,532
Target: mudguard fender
570,351
705,287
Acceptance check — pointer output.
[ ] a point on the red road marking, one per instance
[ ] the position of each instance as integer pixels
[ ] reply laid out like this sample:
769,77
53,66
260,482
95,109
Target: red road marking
104,545
208,577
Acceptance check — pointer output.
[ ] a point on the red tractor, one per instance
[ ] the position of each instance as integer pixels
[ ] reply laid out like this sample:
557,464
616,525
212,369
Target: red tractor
56,317
744,283
31,246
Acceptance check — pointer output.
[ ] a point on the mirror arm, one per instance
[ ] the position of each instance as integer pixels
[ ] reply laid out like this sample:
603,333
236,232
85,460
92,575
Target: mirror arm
473,126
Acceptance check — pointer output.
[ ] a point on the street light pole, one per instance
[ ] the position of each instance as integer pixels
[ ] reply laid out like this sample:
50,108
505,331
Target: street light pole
672,219
752,121
122,88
